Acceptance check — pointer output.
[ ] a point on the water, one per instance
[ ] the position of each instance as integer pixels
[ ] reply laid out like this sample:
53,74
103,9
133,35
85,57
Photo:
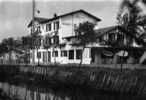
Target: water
23,92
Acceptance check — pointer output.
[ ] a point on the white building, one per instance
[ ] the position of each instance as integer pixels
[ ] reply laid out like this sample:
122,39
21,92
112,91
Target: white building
58,30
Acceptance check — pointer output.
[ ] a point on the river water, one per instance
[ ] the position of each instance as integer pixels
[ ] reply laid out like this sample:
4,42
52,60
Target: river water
23,92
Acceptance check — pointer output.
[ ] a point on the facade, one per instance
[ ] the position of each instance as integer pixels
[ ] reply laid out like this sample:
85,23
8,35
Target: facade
57,36
55,47
117,47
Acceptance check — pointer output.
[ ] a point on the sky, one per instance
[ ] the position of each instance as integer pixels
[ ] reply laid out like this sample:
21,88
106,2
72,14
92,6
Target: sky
15,15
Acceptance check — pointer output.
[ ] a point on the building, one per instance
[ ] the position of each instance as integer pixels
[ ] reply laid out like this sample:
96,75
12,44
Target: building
55,46
116,46
57,36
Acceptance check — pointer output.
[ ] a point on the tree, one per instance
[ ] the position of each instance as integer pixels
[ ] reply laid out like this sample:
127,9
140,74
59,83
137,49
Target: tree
86,35
134,19
27,44
131,19
7,46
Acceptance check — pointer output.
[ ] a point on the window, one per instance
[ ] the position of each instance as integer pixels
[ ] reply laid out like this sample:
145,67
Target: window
78,54
48,27
112,37
49,56
47,41
71,54
55,54
120,39
56,25
64,53
38,29
37,42
39,55
56,39
52,40
33,29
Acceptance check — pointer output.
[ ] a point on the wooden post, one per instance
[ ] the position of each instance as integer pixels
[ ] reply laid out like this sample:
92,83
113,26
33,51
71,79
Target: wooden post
122,61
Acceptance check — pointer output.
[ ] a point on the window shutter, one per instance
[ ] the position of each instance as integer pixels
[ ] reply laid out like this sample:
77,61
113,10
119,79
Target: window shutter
56,39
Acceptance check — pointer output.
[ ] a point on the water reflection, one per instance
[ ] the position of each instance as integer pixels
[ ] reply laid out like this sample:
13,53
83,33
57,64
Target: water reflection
50,93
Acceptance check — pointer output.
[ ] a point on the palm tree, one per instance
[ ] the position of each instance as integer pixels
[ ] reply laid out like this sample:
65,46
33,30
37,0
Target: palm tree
131,19
86,35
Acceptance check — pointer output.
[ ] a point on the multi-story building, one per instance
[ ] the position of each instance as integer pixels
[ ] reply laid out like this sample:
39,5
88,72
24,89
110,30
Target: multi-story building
56,33
58,37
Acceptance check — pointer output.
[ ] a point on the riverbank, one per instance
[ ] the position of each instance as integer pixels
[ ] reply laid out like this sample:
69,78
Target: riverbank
131,81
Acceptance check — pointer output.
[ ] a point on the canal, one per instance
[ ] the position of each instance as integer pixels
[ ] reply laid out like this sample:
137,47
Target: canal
32,92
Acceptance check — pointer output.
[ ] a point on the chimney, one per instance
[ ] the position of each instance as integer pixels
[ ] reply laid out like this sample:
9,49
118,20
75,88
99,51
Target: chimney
55,15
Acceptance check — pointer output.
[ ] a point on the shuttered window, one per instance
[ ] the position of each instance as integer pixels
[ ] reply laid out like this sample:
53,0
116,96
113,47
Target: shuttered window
39,55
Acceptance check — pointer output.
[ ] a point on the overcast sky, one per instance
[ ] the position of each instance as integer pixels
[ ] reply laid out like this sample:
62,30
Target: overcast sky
16,14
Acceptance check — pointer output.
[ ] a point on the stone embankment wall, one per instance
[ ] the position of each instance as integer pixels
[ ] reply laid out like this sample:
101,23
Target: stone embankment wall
104,79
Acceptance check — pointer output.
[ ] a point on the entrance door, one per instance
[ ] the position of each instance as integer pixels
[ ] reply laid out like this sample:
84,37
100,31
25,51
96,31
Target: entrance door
49,57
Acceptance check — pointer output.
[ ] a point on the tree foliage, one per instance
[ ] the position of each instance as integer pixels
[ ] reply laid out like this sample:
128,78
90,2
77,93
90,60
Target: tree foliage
86,33
132,19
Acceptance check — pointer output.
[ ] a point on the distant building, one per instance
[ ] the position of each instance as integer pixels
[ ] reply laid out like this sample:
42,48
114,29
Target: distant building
11,57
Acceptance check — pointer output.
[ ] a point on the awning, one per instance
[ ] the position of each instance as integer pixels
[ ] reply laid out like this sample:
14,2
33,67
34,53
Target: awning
122,53
107,53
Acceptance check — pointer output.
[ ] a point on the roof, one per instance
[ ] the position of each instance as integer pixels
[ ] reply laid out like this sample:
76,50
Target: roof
99,32
39,19
103,31
45,20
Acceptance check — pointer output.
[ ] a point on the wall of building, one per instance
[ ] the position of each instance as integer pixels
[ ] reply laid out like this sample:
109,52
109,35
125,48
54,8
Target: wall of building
62,59
69,23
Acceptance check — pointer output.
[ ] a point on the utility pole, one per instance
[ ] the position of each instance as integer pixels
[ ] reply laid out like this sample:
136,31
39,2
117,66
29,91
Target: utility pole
33,26
33,29
33,14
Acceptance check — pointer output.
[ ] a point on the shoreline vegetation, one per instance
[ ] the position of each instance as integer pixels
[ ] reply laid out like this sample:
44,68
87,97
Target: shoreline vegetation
129,81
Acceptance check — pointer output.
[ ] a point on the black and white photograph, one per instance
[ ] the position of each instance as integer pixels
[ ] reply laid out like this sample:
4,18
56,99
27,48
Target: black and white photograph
72,49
